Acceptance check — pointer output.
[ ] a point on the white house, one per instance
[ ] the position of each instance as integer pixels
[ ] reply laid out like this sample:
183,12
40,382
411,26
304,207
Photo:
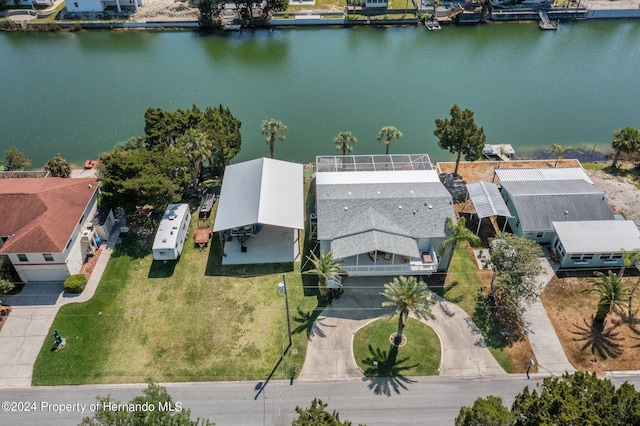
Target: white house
46,225
101,5
261,211
382,215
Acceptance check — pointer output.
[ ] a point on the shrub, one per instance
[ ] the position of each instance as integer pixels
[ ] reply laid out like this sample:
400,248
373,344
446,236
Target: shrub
75,283
6,286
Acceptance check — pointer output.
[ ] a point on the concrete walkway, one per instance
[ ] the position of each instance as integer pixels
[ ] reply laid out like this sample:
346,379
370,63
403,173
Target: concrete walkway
28,325
330,354
542,336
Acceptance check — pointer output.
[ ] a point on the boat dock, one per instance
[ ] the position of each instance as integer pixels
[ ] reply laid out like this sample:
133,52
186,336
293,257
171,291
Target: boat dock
546,23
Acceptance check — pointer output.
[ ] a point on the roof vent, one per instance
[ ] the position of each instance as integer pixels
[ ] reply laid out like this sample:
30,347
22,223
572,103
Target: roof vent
430,206
346,208
400,207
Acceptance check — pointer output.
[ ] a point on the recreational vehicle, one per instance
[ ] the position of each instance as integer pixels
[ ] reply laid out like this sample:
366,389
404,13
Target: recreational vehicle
172,232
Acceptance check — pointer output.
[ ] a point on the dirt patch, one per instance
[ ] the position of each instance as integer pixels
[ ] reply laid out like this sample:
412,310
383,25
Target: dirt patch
622,194
571,311
163,10
477,171
4,314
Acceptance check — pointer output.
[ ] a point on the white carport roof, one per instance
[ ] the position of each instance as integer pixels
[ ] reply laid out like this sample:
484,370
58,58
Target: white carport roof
263,191
487,200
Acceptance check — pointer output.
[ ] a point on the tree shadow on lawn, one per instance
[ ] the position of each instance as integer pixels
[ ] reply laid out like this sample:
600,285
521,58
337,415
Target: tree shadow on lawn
602,342
387,375
132,247
307,322
499,325
162,268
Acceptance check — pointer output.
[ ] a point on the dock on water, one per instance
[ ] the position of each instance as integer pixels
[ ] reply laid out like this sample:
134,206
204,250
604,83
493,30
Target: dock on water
545,22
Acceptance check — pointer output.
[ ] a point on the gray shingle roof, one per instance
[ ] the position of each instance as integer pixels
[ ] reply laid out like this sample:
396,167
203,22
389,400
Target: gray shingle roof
417,210
539,203
372,241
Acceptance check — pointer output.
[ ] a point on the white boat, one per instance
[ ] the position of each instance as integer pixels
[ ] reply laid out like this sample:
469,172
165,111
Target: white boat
436,24
429,24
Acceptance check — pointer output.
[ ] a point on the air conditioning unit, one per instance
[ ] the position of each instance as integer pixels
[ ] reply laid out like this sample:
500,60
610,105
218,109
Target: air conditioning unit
86,236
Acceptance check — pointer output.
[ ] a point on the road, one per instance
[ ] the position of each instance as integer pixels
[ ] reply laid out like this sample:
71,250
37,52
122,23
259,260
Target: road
430,400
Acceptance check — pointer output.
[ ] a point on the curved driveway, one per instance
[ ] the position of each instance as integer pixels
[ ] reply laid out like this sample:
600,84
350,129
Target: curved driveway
330,354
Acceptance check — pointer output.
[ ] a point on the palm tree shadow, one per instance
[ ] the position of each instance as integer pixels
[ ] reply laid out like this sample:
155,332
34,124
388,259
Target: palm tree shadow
603,342
309,323
384,371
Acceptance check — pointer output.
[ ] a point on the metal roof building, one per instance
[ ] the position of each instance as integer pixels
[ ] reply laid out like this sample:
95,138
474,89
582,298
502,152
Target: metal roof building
487,200
264,191
598,236
537,204
561,173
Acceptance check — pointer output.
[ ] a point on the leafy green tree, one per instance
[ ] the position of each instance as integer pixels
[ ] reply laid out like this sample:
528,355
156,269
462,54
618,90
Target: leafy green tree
209,13
224,130
458,233
58,167
577,399
3,4
276,6
273,129
485,412
387,134
197,146
16,159
326,268
515,268
153,396
132,143
163,128
626,140
559,150
408,295
344,141
317,415
460,135
613,293
140,177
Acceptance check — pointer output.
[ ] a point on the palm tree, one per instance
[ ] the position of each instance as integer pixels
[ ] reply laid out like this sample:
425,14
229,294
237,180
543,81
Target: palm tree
458,233
624,140
197,146
387,134
559,150
273,129
326,268
613,293
344,141
408,295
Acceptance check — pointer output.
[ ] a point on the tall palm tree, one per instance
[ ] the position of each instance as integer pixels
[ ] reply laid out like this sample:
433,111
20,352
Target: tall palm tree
197,146
326,268
273,129
387,134
344,141
559,150
458,233
408,295
613,293
624,140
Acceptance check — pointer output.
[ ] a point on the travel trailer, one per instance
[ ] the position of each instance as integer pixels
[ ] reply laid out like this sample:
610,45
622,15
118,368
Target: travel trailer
172,232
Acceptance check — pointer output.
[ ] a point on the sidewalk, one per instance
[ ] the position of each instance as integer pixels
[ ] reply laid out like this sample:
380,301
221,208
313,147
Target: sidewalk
546,346
330,353
28,325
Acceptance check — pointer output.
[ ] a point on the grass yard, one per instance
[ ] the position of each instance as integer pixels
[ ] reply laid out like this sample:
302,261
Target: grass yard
419,357
571,311
191,320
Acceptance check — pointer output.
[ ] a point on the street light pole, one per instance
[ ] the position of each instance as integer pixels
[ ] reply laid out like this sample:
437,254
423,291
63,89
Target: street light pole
282,289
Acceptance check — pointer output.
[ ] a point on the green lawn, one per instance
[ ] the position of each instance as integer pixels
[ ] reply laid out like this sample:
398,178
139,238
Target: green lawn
419,357
191,320
463,290
621,170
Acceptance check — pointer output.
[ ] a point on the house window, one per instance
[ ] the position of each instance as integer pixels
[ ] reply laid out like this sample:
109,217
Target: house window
616,256
68,245
540,235
576,257
47,257
517,223
588,256
23,258
75,4
582,258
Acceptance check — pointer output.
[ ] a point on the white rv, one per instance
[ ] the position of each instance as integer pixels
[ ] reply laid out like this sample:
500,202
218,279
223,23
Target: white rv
172,232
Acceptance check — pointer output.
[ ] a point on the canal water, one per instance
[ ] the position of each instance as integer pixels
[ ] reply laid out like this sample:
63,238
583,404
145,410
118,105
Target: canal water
80,93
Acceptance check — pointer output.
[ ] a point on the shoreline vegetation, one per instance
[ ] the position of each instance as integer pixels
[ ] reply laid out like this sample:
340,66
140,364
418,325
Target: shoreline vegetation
176,15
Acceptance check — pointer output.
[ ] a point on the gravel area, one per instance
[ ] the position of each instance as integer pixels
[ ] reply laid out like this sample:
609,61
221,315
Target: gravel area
163,10
622,194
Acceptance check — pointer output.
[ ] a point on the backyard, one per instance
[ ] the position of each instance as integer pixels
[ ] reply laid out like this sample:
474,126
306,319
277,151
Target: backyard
190,320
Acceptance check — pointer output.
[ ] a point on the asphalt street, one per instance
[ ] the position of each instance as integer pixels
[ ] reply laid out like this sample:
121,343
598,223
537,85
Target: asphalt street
424,401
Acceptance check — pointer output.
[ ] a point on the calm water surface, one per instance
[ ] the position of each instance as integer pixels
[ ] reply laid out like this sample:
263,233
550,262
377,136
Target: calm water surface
80,93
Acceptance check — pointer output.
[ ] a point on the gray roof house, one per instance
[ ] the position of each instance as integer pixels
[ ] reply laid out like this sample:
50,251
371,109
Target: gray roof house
595,244
387,218
536,204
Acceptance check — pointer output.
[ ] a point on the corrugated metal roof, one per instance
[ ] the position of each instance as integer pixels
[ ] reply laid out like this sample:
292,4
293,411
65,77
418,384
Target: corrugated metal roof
555,173
374,241
539,203
598,236
487,200
265,191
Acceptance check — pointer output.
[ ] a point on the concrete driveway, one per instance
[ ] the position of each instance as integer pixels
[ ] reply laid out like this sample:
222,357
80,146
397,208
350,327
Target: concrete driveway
330,353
